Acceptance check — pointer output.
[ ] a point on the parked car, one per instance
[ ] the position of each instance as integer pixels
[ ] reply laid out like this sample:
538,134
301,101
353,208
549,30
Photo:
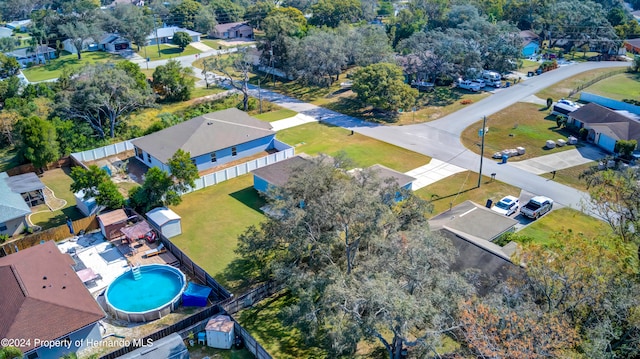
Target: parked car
468,85
537,207
507,206
480,82
492,78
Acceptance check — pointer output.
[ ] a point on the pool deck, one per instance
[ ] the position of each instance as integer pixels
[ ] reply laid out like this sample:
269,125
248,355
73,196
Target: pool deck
135,253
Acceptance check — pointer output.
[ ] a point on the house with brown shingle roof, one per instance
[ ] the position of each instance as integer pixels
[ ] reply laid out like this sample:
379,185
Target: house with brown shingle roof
606,127
43,300
213,139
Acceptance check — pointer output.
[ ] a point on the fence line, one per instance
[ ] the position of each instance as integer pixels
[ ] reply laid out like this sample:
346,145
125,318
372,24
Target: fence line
610,103
104,151
593,81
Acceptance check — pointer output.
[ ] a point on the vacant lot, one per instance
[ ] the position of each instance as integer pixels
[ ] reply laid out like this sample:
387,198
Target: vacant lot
618,87
463,186
314,138
59,182
562,88
520,125
53,68
553,226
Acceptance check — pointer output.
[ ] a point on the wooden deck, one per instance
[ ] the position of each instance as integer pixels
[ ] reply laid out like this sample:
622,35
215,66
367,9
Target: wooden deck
134,253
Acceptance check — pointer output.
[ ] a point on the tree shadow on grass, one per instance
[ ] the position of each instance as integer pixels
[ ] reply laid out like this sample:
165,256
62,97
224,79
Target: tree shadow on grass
250,198
240,276
352,107
440,97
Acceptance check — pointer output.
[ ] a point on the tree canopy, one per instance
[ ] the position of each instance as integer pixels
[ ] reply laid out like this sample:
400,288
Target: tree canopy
382,86
96,182
172,82
38,141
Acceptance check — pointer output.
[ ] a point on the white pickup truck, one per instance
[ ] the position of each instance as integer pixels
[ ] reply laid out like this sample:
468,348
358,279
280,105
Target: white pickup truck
468,85
536,207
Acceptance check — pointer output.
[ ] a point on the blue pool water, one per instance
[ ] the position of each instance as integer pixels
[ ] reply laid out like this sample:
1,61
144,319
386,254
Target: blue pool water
158,286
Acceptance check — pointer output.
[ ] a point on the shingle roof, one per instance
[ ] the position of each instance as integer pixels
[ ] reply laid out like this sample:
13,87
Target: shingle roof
26,52
278,173
42,297
204,134
12,205
108,38
221,28
633,42
607,121
473,219
387,173
112,217
25,182
169,31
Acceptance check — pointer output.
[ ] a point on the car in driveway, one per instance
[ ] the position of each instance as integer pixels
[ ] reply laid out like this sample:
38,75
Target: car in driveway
468,85
536,207
507,206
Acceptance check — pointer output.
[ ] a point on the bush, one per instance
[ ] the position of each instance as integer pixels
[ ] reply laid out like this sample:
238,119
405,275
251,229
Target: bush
583,133
549,102
3,238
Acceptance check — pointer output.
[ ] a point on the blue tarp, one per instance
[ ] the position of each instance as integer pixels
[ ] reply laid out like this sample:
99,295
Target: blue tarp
195,296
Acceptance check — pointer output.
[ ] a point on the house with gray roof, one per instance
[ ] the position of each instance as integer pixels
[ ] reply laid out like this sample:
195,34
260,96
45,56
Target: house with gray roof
606,127
27,56
13,209
164,35
233,30
214,139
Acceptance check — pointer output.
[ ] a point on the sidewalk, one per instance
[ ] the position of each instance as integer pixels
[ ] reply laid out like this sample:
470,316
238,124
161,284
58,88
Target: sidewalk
297,120
433,172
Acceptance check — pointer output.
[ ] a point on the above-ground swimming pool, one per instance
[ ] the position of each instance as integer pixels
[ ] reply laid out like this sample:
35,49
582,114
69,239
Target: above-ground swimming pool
146,292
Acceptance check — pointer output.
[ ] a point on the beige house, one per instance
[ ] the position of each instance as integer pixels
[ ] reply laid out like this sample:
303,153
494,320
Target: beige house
233,30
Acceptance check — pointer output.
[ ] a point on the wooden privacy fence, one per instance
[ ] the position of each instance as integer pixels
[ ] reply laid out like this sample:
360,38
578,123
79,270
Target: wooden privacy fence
26,168
57,234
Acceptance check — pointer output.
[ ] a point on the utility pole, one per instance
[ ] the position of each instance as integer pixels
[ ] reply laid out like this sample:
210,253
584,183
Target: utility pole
484,126
259,96
157,40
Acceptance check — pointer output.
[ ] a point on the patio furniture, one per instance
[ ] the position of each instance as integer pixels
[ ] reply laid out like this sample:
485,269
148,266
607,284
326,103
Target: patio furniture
87,275
154,252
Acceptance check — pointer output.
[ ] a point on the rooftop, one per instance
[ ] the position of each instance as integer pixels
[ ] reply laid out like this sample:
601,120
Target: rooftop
204,134
474,220
25,182
40,287
12,205
226,27
169,31
604,120
278,173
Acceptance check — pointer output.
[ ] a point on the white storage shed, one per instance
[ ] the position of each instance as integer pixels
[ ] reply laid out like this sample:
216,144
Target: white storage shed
220,332
87,206
166,221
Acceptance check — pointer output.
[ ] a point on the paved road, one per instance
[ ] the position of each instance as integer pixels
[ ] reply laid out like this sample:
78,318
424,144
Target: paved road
440,139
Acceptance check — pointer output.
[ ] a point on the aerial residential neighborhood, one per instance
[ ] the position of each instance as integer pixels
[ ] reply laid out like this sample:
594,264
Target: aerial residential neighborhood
323,179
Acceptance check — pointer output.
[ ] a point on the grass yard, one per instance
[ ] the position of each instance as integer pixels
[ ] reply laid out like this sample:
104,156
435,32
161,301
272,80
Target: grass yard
58,181
562,88
521,124
212,220
461,187
618,87
569,176
167,51
8,158
276,115
552,227
314,138
528,65
53,68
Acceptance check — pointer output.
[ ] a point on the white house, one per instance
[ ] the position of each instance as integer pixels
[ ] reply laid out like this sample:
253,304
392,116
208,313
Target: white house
164,35
27,57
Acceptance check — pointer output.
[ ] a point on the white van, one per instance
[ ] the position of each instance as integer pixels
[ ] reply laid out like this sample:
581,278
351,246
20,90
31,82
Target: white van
492,78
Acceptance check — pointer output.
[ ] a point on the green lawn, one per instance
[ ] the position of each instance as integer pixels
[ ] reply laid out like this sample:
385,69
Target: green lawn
167,51
562,88
570,176
59,182
528,65
314,138
618,87
463,186
53,68
212,220
200,351
276,115
8,158
551,227
519,125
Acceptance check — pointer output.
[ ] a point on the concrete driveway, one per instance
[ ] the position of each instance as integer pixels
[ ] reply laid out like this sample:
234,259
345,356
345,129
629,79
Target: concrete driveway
560,160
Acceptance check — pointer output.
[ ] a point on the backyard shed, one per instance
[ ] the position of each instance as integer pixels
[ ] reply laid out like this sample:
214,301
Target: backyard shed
166,221
111,223
196,295
85,205
220,333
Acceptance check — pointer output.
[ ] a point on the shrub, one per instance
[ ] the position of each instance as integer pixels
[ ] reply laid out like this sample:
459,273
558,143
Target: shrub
549,102
583,133
4,238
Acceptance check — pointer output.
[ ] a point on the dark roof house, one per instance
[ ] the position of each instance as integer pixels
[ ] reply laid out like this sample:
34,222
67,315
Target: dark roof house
605,126
277,174
13,208
42,297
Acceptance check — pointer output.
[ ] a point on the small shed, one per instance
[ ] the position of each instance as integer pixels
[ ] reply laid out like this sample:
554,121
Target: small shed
111,223
85,205
220,332
196,295
166,221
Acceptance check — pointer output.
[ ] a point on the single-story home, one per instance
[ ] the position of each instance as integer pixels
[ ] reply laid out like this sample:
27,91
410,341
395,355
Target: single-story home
472,220
530,43
42,299
233,30
87,45
213,139
25,56
606,127
632,45
13,209
5,32
164,35
109,42
29,186
21,25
